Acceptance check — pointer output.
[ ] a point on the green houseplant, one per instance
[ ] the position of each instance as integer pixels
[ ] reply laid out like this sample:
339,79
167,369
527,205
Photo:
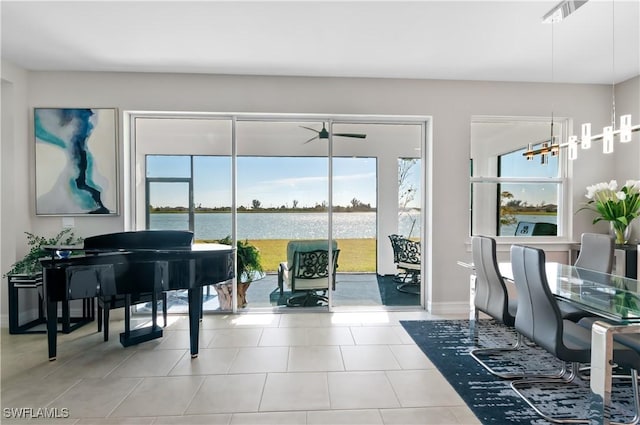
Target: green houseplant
248,268
30,264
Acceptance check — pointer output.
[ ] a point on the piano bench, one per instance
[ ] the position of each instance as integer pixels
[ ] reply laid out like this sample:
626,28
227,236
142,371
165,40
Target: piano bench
105,304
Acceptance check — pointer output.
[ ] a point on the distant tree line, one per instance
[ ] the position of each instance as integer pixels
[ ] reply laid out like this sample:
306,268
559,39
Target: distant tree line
256,206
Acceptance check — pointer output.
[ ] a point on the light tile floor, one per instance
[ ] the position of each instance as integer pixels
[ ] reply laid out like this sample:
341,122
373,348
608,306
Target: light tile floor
294,368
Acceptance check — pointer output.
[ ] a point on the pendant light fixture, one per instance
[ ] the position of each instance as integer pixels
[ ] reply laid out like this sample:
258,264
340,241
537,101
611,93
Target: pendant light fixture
609,133
552,145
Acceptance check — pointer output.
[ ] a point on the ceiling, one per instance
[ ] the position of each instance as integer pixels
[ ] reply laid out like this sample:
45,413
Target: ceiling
453,40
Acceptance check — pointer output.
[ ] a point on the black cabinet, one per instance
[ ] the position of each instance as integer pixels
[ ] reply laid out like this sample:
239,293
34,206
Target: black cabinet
625,261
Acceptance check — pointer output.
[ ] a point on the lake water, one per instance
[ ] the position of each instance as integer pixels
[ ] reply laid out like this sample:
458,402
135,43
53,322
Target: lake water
510,230
282,225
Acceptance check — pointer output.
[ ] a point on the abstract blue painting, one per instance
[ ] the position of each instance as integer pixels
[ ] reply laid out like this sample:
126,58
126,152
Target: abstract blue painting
76,161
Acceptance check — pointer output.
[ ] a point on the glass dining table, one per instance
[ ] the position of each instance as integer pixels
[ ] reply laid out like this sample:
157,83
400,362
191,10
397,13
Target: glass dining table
612,297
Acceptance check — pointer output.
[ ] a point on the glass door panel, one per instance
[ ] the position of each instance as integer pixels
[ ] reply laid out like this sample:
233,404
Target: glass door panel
282,187
354,229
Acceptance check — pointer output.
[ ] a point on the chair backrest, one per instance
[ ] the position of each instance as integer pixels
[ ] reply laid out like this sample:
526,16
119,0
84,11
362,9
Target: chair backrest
307,245
538,317
596,252
491,296
310,269
395,246
408,251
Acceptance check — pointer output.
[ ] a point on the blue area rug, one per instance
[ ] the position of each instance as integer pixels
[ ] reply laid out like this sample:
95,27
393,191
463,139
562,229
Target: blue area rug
447,344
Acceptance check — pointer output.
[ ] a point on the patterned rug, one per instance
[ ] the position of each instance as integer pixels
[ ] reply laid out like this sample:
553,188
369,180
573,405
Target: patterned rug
447,344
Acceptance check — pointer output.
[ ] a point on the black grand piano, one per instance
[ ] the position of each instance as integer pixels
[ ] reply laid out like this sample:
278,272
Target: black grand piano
133,263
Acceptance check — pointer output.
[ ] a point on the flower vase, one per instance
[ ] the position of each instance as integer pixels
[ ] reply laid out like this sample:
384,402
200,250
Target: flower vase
622,234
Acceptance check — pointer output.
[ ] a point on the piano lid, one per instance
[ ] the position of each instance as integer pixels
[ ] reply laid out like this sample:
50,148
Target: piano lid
140,239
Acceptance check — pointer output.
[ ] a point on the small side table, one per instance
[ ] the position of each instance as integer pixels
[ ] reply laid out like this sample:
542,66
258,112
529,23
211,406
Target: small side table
21,282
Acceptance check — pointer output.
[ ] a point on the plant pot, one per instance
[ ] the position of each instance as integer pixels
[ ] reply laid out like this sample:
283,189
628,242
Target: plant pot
225,294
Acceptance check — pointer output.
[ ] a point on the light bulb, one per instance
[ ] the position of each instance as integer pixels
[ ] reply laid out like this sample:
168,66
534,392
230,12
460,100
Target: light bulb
572,148
607,139
625,128
585,141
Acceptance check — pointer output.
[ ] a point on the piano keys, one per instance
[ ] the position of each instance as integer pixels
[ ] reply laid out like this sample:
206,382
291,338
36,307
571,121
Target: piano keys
126,263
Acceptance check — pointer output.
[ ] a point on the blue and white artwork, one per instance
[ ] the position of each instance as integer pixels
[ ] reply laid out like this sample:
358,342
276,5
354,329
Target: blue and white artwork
76,169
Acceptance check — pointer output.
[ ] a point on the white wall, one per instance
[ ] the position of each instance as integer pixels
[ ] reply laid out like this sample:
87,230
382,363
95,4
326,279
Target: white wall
14,173
628,155
450,103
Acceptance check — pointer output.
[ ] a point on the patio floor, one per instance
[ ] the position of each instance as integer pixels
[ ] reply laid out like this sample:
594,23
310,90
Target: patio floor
352,290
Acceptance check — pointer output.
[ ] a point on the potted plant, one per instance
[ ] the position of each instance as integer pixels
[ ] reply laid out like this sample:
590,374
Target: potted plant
29,265
248,268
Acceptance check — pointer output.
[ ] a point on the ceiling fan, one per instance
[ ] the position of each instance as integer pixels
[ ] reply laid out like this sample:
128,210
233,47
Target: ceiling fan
324,134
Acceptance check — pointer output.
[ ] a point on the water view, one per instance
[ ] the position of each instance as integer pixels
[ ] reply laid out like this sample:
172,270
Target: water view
510,230
353,225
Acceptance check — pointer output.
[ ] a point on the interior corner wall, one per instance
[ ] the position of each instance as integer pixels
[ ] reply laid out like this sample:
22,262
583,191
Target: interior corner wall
450,103
13,173
627,156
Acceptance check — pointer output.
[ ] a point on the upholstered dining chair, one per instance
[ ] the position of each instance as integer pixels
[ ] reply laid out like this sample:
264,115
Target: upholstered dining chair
596,253
492,298
539,318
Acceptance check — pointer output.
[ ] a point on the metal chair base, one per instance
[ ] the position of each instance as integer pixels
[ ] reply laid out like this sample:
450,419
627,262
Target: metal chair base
520,342
308,299
516,385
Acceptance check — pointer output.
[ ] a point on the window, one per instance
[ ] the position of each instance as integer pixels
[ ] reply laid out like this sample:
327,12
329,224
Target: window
510,194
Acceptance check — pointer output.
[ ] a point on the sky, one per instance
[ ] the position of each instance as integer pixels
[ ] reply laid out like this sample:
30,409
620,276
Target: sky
516,165
274,181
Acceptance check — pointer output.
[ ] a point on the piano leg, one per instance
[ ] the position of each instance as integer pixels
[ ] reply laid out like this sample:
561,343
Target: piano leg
66,317
52,328
164,309
99,317
127,315
105,314
195,307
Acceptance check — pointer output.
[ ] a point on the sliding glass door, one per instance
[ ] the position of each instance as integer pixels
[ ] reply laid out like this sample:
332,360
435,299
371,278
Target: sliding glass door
282,200
315,200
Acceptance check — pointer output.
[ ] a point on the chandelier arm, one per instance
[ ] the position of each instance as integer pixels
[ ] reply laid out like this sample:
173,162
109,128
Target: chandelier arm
557,146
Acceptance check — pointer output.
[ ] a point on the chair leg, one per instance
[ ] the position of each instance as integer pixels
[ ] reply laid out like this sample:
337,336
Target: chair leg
523,383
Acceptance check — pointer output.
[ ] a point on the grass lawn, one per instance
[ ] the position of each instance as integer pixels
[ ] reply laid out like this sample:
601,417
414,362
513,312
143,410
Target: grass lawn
356,255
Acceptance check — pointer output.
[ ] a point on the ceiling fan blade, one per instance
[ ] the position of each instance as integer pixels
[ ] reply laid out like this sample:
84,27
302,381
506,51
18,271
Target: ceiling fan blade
311,140
356,135
309,128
